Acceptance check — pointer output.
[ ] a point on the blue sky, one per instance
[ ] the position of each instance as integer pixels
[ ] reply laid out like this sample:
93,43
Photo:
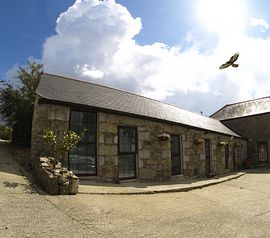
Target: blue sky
25,26
167,50
28,25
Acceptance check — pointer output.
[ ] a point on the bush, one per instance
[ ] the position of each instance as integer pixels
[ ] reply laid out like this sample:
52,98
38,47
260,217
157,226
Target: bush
62,143
5,133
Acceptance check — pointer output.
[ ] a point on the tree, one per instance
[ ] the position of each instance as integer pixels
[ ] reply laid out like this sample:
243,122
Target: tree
17,102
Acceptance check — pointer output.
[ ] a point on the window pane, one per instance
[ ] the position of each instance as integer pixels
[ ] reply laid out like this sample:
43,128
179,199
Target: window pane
74,116
175,147
73,162
127,139
82,159
127,166
176,165
90,137
91,150
262,152
81,148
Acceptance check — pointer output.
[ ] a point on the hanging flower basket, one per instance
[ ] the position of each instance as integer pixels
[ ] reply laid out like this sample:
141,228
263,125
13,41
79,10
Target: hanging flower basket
223,143
164,136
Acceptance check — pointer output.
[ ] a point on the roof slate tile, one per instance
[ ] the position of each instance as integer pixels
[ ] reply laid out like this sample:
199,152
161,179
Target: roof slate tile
62,89
243,109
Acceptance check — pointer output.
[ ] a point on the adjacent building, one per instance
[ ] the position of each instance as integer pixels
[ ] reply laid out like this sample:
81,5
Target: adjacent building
251,120
130,136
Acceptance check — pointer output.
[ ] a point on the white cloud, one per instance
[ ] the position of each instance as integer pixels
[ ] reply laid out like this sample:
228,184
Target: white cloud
88,71
10,76
95,41
259,22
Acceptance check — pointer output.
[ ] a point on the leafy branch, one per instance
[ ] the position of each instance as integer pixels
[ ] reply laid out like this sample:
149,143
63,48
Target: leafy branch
61,143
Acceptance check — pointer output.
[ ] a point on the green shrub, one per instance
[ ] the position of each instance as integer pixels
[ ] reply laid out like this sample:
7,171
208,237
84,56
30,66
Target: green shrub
5,132
60,144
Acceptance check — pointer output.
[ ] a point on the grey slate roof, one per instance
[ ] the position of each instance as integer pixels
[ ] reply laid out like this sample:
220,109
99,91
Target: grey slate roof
243,109
74,91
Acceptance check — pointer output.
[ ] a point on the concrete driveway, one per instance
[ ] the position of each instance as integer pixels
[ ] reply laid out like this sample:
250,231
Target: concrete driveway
237,208
25,213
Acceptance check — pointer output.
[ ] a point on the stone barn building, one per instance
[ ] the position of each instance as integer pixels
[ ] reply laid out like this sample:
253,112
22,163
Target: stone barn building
251,120
130,136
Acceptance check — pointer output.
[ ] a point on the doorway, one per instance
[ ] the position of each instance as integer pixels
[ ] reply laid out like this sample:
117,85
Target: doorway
175,155
127,152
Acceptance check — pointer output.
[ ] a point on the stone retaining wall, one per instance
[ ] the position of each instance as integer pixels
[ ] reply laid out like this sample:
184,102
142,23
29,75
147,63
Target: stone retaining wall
54,179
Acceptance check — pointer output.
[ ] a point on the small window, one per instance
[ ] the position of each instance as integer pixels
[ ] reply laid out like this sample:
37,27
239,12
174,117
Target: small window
262,152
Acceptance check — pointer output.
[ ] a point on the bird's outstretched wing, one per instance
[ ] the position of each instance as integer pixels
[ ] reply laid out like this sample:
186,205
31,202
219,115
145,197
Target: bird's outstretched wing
234,58
223,66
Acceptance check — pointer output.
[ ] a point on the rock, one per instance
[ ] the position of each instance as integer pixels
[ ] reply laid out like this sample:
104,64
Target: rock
44,164
64,188
52,185
64,171
43,159
56,180
58,166
62,179
73,185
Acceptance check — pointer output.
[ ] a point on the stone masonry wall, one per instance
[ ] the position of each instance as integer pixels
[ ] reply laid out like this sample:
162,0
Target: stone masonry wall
47,116
154,156
256,129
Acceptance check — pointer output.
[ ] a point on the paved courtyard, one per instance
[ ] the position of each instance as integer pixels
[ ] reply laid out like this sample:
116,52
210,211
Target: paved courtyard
237,208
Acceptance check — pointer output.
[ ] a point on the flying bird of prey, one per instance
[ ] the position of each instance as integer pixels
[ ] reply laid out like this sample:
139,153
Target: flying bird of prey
230,62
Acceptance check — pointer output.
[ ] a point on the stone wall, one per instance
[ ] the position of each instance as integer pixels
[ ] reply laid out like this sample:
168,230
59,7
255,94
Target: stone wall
154,155
256,129
47,116
54,179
